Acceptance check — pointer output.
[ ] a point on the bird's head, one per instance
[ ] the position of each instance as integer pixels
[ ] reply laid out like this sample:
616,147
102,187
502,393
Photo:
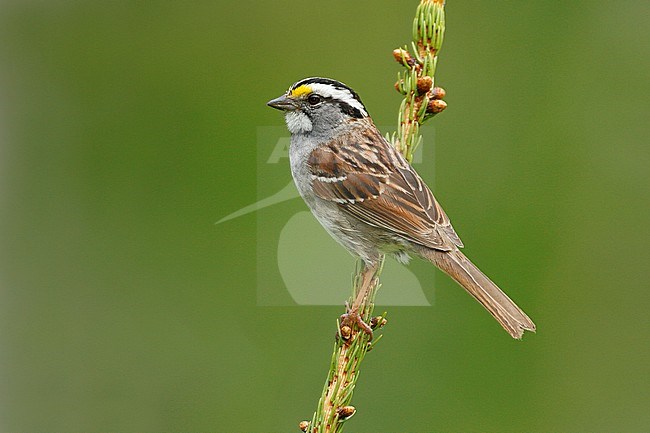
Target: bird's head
319,104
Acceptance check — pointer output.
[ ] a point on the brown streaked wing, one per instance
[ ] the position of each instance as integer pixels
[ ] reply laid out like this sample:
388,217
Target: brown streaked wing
429,204
371,181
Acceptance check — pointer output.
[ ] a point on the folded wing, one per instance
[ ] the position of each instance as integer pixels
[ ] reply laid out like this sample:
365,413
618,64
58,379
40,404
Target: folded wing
370,180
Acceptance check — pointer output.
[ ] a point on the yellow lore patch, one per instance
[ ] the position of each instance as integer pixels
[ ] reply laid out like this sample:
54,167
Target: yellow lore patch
301,90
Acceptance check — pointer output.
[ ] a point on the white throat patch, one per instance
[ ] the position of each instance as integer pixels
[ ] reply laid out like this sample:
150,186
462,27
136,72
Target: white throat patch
298,122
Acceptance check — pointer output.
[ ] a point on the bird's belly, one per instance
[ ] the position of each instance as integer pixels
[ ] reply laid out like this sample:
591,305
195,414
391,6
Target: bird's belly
357,237
344,229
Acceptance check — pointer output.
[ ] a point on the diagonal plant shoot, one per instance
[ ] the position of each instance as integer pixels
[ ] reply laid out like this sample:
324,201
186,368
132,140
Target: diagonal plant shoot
422,100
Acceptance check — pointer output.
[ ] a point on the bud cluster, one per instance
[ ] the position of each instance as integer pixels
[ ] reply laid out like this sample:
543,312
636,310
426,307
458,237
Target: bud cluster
422,99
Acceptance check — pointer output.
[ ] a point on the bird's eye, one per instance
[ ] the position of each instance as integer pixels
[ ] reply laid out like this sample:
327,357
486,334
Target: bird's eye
314,99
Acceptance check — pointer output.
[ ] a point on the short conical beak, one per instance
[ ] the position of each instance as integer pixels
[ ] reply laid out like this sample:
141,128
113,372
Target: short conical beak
283,103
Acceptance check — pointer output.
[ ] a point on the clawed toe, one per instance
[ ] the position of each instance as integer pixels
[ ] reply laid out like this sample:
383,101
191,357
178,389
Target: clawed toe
353,317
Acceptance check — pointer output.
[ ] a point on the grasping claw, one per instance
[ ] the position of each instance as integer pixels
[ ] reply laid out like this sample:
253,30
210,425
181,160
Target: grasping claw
352,316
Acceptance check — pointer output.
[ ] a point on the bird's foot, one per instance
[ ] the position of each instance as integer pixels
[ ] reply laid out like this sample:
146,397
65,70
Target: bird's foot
351,317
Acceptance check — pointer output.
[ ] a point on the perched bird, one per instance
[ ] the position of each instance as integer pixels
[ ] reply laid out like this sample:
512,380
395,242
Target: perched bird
370,199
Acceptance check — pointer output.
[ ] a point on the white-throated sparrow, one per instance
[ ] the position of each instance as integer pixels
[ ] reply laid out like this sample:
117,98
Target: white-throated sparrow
370,199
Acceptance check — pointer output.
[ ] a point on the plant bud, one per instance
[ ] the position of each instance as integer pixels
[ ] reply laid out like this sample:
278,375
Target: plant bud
304,425
377,322
424,84
438,93
404,57
436,106
345,412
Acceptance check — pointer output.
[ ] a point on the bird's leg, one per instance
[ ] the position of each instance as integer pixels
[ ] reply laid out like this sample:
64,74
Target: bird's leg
353,314
367,280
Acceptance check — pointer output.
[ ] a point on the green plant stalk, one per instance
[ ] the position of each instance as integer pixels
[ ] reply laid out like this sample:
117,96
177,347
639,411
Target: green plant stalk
349,351
344,368
413,82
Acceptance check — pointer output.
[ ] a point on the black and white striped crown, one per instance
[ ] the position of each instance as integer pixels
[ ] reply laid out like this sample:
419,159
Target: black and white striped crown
332,90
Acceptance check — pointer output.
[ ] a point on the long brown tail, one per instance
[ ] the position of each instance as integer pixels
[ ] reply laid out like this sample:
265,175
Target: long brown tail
458,267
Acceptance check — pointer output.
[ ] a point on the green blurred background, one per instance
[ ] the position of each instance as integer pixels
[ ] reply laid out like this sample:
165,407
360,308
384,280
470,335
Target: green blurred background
129,128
